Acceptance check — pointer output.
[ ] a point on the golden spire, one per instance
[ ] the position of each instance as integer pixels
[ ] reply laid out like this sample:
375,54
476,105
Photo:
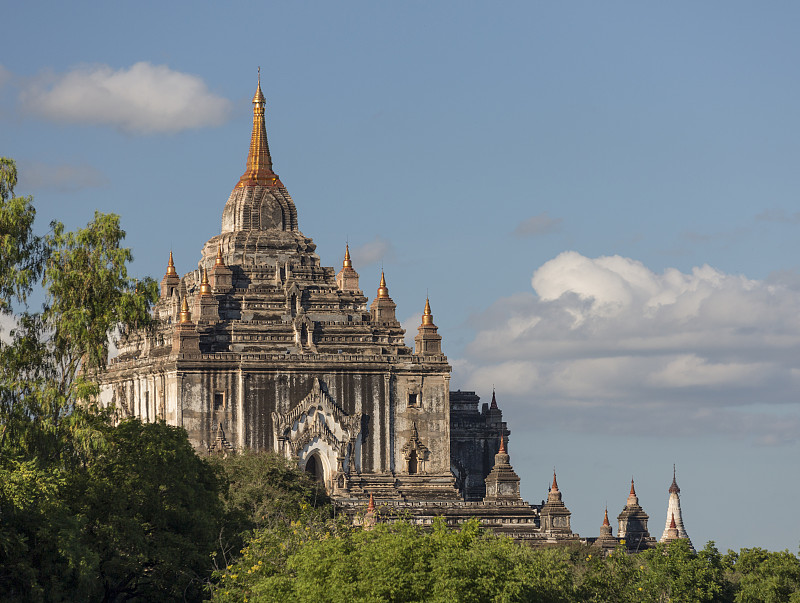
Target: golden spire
219,261
427,317
171,265
185,316
605,519
502,445
259,162
371,505
205,288
347,263
554,487
383,291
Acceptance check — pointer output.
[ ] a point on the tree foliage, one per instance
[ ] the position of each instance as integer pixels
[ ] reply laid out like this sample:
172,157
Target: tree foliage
88,511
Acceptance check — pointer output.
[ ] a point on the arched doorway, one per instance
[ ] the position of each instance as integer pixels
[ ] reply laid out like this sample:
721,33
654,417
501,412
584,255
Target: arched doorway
315,469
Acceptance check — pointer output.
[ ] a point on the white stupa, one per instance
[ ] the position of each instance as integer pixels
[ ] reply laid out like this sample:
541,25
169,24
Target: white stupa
674,516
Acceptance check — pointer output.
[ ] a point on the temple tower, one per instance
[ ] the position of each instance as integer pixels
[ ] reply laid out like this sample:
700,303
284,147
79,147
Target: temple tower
674,514
427,341
502,483
633,524
606,540
554,514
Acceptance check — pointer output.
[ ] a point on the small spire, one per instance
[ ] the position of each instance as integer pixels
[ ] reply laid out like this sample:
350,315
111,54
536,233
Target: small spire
371,505
219,261
673,489
427,317
554,487
383,291
185,316
672,522
259,161
605,519
347,263
205,288
258,97
171,265
502,445
493,405
633,491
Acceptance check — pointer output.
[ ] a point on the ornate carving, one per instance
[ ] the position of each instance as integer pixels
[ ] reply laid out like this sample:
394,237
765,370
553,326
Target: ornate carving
317,416
221,445
415,452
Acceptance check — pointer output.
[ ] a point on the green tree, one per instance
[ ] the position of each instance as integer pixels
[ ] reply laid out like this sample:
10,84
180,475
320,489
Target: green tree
396,562
150,511
764,577
87,510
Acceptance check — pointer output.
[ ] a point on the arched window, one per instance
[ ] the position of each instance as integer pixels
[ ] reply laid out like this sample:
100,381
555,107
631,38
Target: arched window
412,462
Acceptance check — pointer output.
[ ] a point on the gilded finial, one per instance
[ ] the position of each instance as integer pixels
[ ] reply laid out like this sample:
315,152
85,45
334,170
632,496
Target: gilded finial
383,291
554,487
605,519
219,261
502,445
371,505
171,265
205,288
347,263
185,316
259,162
633,490
427,317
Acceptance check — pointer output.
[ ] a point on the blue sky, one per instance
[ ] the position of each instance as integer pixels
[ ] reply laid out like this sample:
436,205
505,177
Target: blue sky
600,198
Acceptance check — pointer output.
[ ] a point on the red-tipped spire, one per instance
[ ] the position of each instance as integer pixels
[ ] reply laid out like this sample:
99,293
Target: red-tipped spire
493,405
371,505
554,487
672,522
605,519
633,490
673,489
502,445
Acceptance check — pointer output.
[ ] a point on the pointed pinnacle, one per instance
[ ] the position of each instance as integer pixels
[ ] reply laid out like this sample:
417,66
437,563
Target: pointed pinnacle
171,265
383,290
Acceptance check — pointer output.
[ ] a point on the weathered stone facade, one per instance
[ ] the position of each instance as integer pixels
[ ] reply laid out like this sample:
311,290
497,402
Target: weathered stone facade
262,347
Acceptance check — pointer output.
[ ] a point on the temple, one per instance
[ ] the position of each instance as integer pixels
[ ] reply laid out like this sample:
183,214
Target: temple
263,347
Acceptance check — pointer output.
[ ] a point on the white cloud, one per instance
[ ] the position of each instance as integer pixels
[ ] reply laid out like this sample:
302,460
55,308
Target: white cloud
376,250
537,225
410,325
63,177
605,344
142,99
